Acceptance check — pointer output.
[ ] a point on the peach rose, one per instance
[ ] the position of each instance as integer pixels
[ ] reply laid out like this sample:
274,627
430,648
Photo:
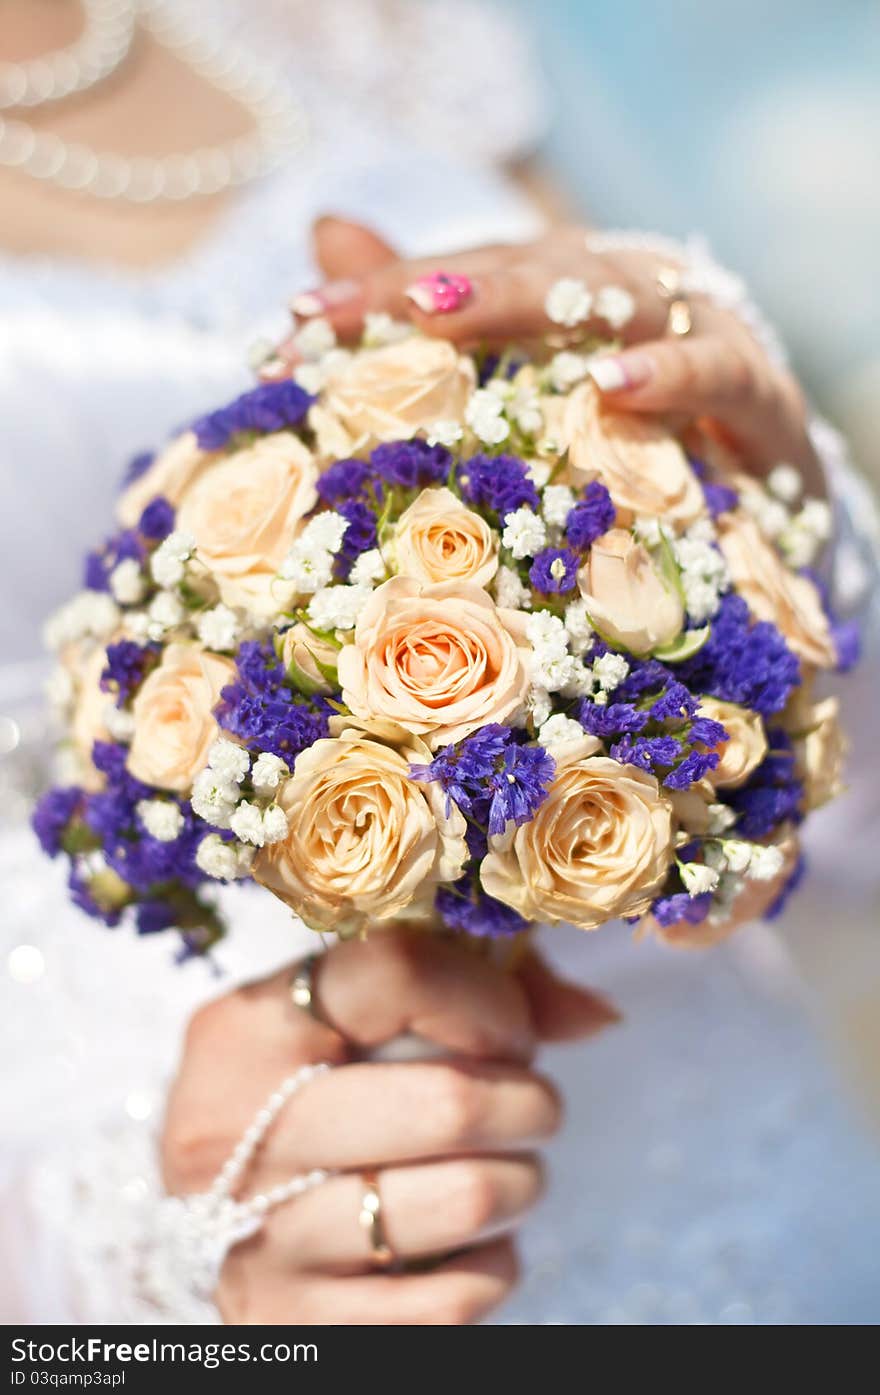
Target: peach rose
90,704
773,592
438,538
627,599
442,660
598,847
173,712
170,474
301,646
820,751
751,903
391,393
244,514
365,841
642,466
745,747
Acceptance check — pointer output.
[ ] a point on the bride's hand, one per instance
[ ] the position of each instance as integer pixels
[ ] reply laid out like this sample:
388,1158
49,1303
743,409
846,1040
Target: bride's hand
718,370
452,1139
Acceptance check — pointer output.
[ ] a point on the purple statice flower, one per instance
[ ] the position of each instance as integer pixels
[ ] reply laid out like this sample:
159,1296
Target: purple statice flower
720,498
360,535
466,906
613,719
791,883
772,795
693,768
645,676
154,915
590,517
101,562
847,640
269,407
137,466
649,753
157,519
265,713
344,479
411,464
127,664
672,910
489,368
743,662
554,570
499,484
492,777
707,732
52,814
674,703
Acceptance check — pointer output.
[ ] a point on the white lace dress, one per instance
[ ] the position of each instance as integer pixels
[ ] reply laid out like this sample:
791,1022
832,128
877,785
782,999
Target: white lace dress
712,1168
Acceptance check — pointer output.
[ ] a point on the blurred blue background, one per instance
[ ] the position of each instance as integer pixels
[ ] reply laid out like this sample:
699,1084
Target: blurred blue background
756,122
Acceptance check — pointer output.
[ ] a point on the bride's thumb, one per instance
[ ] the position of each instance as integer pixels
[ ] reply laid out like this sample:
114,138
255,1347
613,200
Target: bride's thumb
563,1011
347,249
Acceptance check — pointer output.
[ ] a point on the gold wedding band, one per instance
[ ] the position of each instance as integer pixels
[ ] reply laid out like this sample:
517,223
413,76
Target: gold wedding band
302,989
370,1218
679,320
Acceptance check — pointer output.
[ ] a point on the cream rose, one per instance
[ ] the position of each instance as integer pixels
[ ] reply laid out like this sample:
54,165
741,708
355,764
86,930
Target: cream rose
170,474
301,646
365,841
442,660
390,393
439,538
772,592
751,903
642,466
745,747
597,848
173,712
244,514
626,597
820,750
90,705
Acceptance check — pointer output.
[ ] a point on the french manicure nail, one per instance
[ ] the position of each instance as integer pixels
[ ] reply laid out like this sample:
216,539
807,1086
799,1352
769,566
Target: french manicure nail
613,373
440,292
327,297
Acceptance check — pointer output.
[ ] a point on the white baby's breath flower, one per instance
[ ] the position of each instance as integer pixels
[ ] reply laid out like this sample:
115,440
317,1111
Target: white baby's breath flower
247,824
771,516
568,302
766,863
525,533
721,817
309,563
615,305
213,799
59,690
224,861
567,369
737,854
218,629
579,682
648,530
274,824
577,624
510,591
161,818
558,730
445,433
556,504
539,472
547,634
127,582
316,338
729,887
555,672
119,722
228,761
380,328
785,482
817,518
268,772
367,568
539,705
484,414
166,612
609,671
168,562
337,607
88,613
311,377
698,879
137,625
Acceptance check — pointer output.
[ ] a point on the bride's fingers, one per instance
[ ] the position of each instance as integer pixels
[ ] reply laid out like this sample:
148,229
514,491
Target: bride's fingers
377,1114
345,248
563,1011
430,1209
457,1291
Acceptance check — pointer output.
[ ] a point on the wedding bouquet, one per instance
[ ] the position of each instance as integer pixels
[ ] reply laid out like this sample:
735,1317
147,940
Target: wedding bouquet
421,635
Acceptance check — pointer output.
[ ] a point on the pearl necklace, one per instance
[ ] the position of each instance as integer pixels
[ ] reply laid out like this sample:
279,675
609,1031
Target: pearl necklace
280,124
98,52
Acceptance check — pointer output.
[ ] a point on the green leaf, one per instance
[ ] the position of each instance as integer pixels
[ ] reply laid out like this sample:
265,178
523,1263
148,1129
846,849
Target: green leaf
688,643
302,681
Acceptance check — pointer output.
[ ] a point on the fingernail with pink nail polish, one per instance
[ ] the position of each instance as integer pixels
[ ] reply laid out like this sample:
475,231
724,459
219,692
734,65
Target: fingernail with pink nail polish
440,293
327,297
615,373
